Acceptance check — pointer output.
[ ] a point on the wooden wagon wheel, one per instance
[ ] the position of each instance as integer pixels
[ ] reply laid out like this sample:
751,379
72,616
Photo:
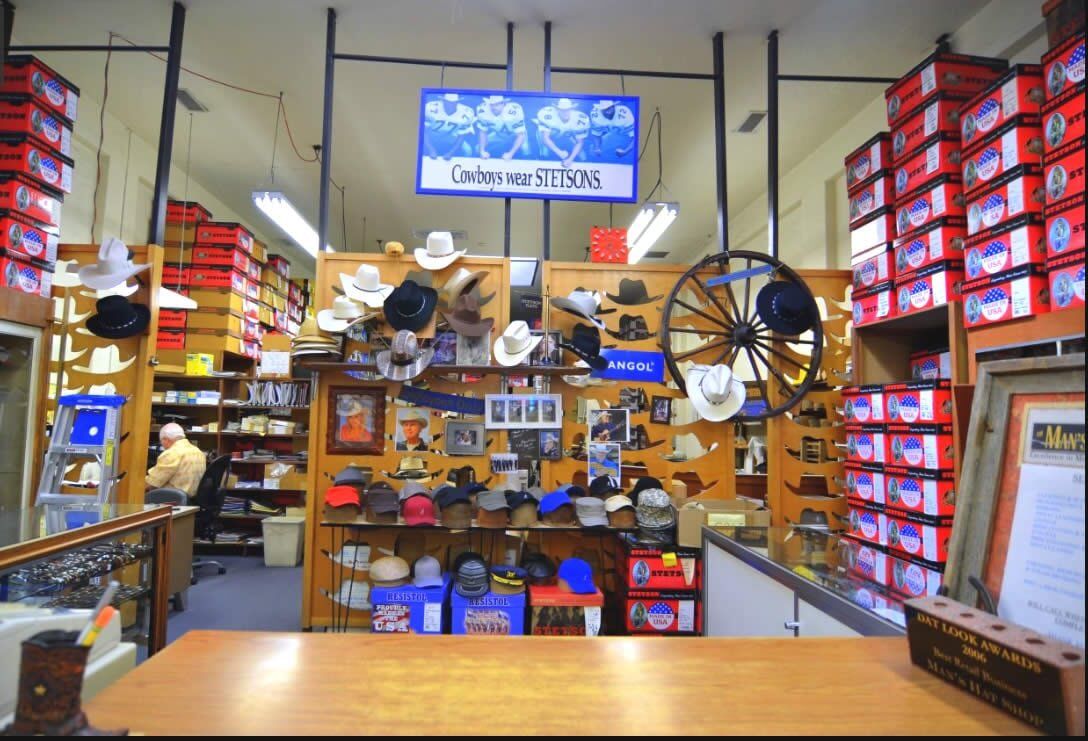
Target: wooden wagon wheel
716,301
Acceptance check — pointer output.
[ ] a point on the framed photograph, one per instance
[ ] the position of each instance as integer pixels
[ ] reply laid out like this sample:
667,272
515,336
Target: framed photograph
356,420
547,352
609,425
661,410
445,348
550,447
523,411
604,460
413,431
1021,493
473,350
465,438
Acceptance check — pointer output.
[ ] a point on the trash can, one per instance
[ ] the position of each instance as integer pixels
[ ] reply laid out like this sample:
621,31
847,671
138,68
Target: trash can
283,538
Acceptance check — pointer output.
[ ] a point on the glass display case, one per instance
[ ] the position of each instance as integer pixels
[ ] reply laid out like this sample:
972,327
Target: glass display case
20,353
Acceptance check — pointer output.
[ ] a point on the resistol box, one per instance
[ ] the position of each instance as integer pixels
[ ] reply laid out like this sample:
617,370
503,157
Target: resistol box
1014,294
1018,91
1014,243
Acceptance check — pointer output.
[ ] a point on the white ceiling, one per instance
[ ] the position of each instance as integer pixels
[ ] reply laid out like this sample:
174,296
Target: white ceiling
278,45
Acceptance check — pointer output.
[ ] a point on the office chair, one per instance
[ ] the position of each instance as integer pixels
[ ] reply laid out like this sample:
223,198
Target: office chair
209,498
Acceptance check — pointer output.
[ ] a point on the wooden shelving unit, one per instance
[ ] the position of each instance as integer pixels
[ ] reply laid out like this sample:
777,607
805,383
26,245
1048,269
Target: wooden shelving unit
480,370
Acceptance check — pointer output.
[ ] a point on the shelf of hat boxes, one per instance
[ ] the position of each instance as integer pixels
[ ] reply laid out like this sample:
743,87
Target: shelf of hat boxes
36,170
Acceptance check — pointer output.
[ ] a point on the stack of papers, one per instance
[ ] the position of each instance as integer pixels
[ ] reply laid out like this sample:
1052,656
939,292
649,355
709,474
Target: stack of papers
278,394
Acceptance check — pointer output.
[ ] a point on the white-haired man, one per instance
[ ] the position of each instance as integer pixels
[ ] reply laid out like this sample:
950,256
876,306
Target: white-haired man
180,464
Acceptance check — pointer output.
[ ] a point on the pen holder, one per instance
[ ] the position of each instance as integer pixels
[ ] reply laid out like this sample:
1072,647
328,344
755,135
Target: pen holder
50,685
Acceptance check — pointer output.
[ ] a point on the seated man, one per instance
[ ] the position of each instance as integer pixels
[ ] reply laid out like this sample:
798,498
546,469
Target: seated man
180,464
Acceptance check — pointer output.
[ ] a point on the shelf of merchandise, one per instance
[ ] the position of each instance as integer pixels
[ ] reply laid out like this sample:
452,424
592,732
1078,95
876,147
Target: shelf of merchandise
517,370
598,530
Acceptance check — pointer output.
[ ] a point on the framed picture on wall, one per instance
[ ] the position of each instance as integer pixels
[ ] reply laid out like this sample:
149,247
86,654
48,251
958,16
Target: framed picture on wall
356,421
550,447
661,410
465,438
609,425
523,411
604,460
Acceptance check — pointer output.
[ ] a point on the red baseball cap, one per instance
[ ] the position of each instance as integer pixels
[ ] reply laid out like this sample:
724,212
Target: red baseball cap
418,510
342,496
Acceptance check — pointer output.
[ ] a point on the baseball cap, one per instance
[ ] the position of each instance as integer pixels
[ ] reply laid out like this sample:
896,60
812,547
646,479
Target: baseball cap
492,501
553,501
342,496
457,514
447,495
654,509
525,514
470,577
383,500
602,486
427,572
389,571
475,488
440,491
411,488
508,579
644,483
418,510
515,499
536,492
574,491
353,474
576,575
540,568
590,512
616,502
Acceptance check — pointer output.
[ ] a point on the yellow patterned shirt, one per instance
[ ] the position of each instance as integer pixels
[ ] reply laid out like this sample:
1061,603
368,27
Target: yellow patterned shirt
180,467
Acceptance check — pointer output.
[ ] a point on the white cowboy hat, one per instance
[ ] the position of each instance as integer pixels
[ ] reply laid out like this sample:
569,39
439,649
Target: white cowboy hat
353,555
715,392
582,304
121,289
439,252
461,282
105,360
59,306
451,97
515,344
113,266
565,104
343,314
70,353
349,406
365,286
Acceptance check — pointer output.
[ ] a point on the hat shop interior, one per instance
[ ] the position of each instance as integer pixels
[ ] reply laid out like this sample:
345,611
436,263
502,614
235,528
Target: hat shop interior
372,349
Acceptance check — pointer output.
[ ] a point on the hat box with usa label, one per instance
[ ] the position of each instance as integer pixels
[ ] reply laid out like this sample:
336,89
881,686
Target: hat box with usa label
1063,66
1018,191
662,568
32,242
1066,278
920,446
410,609
1014,243
867,523
866,560
1017,141
864,483
492,614
1063,172
942,113
26,75
941,198
875,229
940,72
662,612
23,274
918,539
936,156
24,114
875,598
870,157
913,577
924,493
31,200
30,156
1065,226
1018,91
872,267
873,194
873,305
933,285
1014,294
556,612
937,241
929,364
919,401
865,444
863,404
1063,119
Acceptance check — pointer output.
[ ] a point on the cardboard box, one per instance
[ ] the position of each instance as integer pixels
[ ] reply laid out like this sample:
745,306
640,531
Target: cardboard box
927,365
913,577
920,446
554,612
280,264
1065,275
926,493
199,364
933,285
940,114
166,339
873,267
918,539
1017,141
1063,66
229,257
410,609
173,274
285,477
1063,172
919,401
1063,119
30,156
865,560
186,212
940,72
28,277
662,568
26,239
873,194
172,319
717,513
492,614
870,157
867,524
224,233
225,298
1019,191
663,612
865,483
26,75
865,444
875,229
937,241
863,404
1014,243
1018,91
27,199
936,156
23,114
873,305
1014,294
940,198
207,276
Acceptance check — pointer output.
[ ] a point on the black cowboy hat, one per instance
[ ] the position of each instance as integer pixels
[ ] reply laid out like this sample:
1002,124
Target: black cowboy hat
116,318
410,306
585,342
785,307
632,293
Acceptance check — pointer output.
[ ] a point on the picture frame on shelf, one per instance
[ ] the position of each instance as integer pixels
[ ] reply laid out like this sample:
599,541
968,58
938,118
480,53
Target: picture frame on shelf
413,431
444,345
465,438
661,410
523,411
551,448
547,352
356,420
604,460
1022,473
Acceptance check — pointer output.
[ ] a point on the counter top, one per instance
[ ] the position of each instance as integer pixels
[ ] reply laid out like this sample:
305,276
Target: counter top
219,682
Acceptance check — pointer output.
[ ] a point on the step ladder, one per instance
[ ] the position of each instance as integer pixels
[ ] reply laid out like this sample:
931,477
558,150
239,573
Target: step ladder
86,426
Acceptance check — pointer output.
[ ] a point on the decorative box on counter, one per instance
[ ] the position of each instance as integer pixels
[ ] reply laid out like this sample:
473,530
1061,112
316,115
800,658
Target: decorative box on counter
938,155
940,114
918,539
920,446
1065,275
870,157
865,444
940,72
943,197
938,241
873,267
1063,66
1016,192
1017,141
1063,119
491,614
1063,172
663,612
1018,91
875,229
919,401
1014,243
1014,294
926,493
934,285
409,609
1065,226
930,364
863,404
865,483
875,193
874,305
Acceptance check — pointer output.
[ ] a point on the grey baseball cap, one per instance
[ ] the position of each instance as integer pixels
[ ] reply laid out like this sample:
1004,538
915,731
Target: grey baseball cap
591,512
427,572
411,488
537,492
492,501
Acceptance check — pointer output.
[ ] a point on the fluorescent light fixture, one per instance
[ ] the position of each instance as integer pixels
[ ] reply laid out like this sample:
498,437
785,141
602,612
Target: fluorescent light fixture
277,208
650,223
523,271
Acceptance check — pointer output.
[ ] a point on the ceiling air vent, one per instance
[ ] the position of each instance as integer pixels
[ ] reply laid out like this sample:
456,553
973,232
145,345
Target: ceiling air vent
192,104
751,122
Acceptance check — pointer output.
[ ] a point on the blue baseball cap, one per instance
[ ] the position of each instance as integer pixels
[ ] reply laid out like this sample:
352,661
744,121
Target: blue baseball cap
475,488
577,575
553,501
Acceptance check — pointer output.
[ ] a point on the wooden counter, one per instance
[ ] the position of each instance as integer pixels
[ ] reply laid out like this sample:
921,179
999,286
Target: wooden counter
215,683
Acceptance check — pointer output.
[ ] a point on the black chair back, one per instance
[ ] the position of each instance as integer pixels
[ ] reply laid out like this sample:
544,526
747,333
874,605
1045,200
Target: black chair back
209,496
174,497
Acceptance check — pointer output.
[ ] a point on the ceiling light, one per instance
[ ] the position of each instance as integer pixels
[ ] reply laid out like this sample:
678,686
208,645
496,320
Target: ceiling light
650,223
277,208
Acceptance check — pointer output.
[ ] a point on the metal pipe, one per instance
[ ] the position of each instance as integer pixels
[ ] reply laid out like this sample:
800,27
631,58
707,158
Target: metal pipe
509,86
547,205
417,62
326,132
166,126
43,49
837,78
772,143
719,142
633,73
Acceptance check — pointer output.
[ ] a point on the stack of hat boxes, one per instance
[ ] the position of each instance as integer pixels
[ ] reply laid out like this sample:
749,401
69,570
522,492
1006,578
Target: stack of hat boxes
37,115
661,593
244,295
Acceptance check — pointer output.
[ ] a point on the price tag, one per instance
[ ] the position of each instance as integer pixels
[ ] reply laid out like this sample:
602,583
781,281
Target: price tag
878,406
1010,101
929,79
432,617
721,519
1018,246
933,158
1010,158
936,245
593,620
1021,297
929,492
925,404
931,119
669,560
930,451
936,199
686,617
938,285
1016,196
883,303
874,157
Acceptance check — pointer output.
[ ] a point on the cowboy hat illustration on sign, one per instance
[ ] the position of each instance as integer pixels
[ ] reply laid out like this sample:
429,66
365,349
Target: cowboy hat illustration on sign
114,266
104,361
64,311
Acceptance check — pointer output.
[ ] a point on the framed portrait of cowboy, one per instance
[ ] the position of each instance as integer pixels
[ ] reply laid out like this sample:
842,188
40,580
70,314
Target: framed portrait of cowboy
356,421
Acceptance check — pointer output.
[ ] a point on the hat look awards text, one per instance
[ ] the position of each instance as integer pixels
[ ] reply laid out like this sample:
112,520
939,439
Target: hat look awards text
439,252
114,266
715,392
365,286
514,345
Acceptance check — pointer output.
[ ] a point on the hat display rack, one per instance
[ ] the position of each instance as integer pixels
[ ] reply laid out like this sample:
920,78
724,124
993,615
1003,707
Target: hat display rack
82,361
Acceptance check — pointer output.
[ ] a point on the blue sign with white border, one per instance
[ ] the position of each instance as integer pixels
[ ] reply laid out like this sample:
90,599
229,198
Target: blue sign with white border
513,144
632,365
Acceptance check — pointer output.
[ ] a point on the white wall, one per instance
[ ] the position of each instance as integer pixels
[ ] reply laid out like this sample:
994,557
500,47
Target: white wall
812,203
